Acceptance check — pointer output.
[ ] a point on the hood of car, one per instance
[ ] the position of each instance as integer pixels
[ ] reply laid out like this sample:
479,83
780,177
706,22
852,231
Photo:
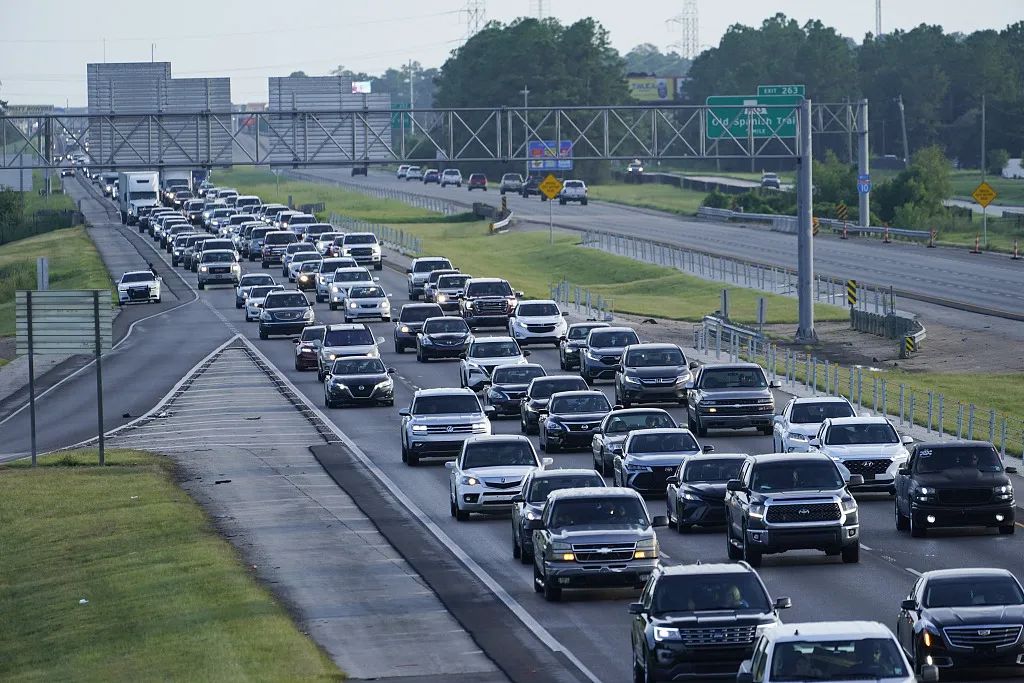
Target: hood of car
508,387
359,380
707,489
657,459
961,477
658,372
871,450
539,319
607,350
578,418
458,337
970,615
508,472
807,429
447,418
734,394
493,362
349,350
297,311
602,533
375,300
128,285
815,496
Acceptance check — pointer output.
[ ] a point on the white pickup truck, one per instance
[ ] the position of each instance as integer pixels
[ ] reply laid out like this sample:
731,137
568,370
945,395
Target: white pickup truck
573,191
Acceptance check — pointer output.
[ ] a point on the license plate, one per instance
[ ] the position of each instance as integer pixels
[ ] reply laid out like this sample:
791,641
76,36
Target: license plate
869,476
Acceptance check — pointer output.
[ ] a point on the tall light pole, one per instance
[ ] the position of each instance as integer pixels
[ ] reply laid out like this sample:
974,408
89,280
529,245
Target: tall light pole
525,92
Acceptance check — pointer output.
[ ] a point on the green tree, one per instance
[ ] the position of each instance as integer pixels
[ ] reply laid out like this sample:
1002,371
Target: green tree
835,181
996,160
915,196
297,74
646,58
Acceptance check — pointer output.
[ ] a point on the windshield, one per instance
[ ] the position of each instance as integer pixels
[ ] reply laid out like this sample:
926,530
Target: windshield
137,277
612,511
973,591
769,477
811,413
620,424
310,266
355,337
446,405
366,293
581,331
452,281
417,314
707,593
538,310
866,659
281,238
436,275
542,390
663,442
305,256
221,213
857,434
218,257
259,279
360,239
980,458
352,276
290,300
445,325
489,289
516,374
318,229
313,333
364,366
498,454
501,349
733,378
540,487
260,292
649,358
712,470
588,403
613,339
430,266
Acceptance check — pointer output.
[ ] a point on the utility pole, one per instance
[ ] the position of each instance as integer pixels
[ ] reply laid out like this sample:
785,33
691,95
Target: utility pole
805,333
903,127
411,97
525,92
878,18
863,166
104,50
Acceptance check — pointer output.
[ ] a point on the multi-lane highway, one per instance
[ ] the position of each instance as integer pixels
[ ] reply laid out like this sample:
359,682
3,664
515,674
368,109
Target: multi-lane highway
593,625
987,281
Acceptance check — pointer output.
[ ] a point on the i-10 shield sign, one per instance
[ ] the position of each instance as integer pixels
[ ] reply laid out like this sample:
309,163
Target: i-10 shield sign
863,183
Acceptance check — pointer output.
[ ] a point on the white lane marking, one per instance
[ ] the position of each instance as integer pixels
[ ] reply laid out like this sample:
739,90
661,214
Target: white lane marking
864,547
517,609
913,571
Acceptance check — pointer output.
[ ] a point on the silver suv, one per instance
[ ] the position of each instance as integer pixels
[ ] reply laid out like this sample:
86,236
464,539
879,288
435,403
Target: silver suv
420,269
438,421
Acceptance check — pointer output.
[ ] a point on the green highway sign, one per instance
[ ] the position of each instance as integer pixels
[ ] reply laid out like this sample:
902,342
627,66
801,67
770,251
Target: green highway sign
397,115
740,116
764,90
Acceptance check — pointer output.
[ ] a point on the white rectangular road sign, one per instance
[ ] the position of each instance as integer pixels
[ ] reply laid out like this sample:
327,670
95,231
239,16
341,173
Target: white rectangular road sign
63,321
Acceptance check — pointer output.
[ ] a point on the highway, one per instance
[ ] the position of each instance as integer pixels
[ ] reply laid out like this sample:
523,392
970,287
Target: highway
594,624
989,281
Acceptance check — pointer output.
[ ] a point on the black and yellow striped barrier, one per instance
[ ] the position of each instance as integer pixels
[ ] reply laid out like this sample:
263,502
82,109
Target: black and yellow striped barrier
851,292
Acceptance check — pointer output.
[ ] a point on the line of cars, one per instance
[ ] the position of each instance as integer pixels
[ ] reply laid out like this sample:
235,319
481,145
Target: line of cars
573,190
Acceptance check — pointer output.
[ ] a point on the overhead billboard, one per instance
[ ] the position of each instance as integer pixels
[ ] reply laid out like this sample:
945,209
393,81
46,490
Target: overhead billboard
362,87
651,88
547,155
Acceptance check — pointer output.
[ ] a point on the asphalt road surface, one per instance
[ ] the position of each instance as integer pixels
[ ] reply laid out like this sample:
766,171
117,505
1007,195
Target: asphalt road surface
591,624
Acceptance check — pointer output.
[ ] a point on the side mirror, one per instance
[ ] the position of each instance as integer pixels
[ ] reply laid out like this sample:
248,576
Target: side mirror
561,338
775,384
814,442
617,450
404,413
565,314
856,480
904,470
295,341
518,498
617,406
542,411
734,485
489,411
376,279
689,386
525,354
909,605
672,480
450,465
636,608
519,294
929,674
547,462
707,448
744,677
462,356
783,603
408,271
391,371
534,524
694,365
906,440
1010,470
659,520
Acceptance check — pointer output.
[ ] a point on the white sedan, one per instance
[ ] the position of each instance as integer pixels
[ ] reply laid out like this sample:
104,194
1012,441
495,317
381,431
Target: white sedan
254,300
138,286
802,417
345,279
485,354
489,473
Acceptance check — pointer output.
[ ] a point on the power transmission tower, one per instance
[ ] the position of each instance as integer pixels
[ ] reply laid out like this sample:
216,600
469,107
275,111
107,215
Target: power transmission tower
689,23
476,16
539,8
878,17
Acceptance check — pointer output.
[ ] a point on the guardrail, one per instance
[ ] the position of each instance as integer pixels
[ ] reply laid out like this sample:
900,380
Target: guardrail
441,206
389,236
502,226
788,224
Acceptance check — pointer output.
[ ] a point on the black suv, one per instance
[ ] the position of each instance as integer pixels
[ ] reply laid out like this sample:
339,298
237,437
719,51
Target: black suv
788,501
571,345
957,483
963,618
652,373
531,186
730,396
700,621
488,302
410,322
537,395
602,354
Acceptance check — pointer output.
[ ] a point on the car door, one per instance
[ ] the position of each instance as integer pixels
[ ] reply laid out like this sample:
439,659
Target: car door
782,426
905,621
691,394
902,482
639,631
597,443
734,502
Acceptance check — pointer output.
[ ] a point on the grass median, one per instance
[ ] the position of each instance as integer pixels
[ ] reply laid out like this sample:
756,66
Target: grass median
74,264
168,599
650,196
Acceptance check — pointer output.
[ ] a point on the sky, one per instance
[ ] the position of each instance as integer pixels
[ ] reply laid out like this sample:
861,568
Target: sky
45,44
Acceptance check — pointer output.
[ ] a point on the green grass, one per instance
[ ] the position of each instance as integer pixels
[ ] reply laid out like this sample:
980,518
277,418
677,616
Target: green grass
1009,191
650,196
74,264
168,598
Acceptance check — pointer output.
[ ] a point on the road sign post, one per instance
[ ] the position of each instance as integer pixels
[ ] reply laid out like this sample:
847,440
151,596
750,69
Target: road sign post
984,194
551,187
31,378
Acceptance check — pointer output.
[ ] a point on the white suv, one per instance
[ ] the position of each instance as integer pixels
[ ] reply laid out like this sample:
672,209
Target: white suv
869,446
402,170
414,173
802,417
345,279
451,176
489,473
573,191
484,355
537,322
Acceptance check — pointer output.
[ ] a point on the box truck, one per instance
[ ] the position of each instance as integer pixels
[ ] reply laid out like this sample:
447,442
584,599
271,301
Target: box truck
136,190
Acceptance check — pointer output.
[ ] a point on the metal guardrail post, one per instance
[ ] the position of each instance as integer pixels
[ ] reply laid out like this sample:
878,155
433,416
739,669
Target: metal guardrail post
960,421
942,401
902,389
1002,440
913,402
835,382
991,426
931,400
885,400
828,378
970,422
874,391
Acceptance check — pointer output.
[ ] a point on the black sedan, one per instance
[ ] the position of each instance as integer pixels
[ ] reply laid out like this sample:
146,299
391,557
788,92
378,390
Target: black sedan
571,419
571,345
410,322
539,392
696,493
508,387
964,618
359,379
442,337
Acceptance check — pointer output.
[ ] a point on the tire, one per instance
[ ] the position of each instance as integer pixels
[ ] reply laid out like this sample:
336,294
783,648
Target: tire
549,447
561,202
902,522
851,554
238,305
264,335
333,306
583,202
767,430
379,266
411,459
732,551
517,552
202,286
680,527
537,580
917,530
1007,529
701,429
264,264
750,556
405,454
399,348
552,592
347,319
320,299
460,515
328,403
386,318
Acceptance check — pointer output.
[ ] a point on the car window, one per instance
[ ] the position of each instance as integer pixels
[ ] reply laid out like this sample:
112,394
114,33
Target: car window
860,659
417,314
857,434
733,378
262,291
649,358
711,470
615,511
281,238
542,390
973,592
516,374
769,477
499,349
809,413
581,331
445,405
366,292
137,277
662,442
353,337
218,257
352,276
312,334
613,339
620,424
444,325
969,458
452,281
250,280
289,300
361,366
360,239
590,403
705,593
540,487
500,288
428,266
538,310
498,454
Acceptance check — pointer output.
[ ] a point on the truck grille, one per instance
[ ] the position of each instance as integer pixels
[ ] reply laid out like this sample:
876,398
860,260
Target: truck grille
604,552
867,466
983,636
450,429
802,512
658,380
219,271
138,292
964,496
485,307
727,636
361,251
498,484
610,360
654,479
361,390
540,328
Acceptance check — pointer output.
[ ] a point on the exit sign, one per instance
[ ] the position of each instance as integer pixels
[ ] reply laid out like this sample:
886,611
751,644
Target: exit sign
765,90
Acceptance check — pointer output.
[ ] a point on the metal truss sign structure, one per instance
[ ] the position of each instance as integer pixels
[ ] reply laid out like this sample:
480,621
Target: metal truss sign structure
359,137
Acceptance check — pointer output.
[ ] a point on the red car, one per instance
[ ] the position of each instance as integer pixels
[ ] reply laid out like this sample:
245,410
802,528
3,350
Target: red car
477,181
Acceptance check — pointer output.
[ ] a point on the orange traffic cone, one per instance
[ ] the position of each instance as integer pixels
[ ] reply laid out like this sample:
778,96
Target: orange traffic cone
977,245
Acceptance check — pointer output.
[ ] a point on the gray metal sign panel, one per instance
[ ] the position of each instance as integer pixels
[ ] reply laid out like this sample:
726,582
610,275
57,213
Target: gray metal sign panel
63,321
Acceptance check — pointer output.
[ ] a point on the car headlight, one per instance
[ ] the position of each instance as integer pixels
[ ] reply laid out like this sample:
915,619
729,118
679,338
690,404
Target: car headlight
497,395
303,278
554,426
441,298
662,633
646,549
335,289
404,329
386,384
1004,492
628,379
756,511
687,495
591,355
236,267
481,428
308,315
684,377
531,515
385,304
636,467
469,481
793,436
561,552
419,428
266,316
848,505
203,269
353,304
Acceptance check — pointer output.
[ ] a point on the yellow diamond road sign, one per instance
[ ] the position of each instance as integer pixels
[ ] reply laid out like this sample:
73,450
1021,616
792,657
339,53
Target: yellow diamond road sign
984,194
550,186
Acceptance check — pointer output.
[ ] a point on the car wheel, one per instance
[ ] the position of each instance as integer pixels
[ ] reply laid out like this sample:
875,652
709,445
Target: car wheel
552,591
917,529
319,299
538,582
412,459
264,264
460,514
701,429
550,446
202,286
333,306
328,403
680,527
347,319
238,305
386,319
732,551
453,509
1007,529
522,423
264,335
583,202
399,348
750,555
851,554
517,552
766,430
902,523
